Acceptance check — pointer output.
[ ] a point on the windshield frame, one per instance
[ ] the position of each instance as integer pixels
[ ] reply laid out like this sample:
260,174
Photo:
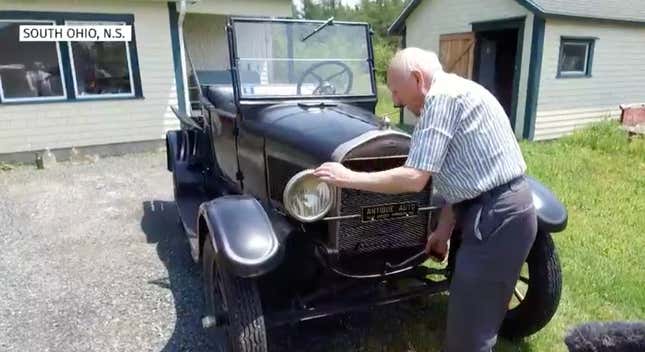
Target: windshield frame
234,59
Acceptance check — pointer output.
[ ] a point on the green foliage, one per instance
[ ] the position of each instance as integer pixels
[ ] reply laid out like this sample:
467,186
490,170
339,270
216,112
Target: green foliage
383,53
5,166
606,137
385,105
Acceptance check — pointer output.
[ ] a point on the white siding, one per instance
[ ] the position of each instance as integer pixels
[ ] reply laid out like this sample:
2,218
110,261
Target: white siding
277,8
433,18
66,124
618,73
206,41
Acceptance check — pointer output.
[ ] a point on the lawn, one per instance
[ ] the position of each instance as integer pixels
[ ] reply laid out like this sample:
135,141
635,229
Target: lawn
600,177
385,104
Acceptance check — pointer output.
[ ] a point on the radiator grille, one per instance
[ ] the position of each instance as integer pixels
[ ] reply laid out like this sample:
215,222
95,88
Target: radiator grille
356,237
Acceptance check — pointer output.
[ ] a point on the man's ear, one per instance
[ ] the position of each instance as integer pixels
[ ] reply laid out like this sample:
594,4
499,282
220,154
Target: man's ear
419,79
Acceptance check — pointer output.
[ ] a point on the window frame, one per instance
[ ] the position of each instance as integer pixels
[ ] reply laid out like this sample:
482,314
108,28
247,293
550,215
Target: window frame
60,18
589,43
72,65
61,67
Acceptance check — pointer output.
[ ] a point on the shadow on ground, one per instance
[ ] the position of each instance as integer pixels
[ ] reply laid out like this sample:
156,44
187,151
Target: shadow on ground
160,223
413,326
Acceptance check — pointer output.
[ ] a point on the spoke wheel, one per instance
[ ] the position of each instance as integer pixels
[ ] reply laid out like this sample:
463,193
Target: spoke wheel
521,288
537,292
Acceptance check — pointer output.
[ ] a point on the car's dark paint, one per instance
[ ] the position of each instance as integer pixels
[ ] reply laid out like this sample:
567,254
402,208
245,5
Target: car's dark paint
302,135
230,168
182,152
252,163
224,142
243,234
552,214
314,130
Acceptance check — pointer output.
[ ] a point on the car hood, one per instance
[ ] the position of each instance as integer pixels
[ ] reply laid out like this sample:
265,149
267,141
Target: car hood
312,132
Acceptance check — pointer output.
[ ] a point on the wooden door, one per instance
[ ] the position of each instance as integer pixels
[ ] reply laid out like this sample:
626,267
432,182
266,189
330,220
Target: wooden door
457,53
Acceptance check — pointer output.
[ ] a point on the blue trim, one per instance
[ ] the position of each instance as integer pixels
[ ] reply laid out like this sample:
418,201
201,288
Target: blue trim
535,69
531,6
67,69
134,61
176,54
578,40
59,18
396,27
510,23
404,43
596,20
67,101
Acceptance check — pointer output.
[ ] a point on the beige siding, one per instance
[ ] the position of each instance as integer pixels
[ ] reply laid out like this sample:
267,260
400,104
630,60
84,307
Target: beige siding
617,78
206,41
66,124
278,8
434,18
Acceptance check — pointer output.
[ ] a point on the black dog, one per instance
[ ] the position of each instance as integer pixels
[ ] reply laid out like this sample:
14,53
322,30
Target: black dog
607,337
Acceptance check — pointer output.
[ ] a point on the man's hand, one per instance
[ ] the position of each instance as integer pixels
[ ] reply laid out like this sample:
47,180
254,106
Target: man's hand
437,246
335,174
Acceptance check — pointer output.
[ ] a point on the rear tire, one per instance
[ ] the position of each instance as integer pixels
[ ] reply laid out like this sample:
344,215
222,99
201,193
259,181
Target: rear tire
236,301
543,294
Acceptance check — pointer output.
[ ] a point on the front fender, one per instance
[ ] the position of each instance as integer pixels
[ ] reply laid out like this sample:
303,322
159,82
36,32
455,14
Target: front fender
242,234
551,213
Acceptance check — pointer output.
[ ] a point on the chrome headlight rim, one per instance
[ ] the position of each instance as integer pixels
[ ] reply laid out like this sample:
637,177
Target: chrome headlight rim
292,182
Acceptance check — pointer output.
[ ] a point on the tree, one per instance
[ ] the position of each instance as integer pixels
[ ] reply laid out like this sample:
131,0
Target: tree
378,13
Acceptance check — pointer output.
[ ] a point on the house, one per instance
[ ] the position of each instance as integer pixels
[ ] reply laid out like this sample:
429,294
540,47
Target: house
108,97
554,65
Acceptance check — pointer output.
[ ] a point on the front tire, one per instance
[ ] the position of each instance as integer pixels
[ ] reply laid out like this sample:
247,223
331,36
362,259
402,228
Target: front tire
542,296
235,303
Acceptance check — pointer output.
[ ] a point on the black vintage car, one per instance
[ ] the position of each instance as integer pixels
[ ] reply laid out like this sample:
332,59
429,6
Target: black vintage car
277,245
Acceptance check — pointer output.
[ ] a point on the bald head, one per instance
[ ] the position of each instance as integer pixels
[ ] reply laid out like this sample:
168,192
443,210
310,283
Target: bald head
409,60
409,77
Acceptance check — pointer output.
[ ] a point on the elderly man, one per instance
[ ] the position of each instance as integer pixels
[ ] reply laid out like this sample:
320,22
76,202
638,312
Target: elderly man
463,139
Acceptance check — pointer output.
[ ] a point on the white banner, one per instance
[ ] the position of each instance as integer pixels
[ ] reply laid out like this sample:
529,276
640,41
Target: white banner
76,33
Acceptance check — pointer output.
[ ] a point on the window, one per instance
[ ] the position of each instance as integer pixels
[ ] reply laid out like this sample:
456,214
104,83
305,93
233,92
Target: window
576,56
66,71
29,71
101,68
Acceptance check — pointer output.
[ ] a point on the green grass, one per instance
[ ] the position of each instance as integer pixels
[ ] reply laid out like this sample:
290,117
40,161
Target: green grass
385,104
600,176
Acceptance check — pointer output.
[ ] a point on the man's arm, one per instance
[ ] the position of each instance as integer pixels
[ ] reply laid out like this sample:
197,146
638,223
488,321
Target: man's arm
437,244
398,180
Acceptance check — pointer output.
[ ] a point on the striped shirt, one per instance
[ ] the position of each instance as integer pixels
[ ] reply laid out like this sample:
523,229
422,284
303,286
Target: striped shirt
464,138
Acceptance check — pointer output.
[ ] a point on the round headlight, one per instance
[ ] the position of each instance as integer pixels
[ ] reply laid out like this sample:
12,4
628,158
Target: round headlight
307,198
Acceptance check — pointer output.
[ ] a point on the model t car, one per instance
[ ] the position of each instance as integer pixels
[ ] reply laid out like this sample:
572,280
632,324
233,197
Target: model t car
277,245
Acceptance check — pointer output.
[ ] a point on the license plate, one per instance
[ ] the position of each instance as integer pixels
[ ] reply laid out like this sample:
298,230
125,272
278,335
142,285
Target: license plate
389,211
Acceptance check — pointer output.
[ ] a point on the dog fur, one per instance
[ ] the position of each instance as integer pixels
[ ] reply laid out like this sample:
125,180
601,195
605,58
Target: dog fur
607,337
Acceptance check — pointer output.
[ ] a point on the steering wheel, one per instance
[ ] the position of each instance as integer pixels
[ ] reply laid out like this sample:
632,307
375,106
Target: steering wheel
324,85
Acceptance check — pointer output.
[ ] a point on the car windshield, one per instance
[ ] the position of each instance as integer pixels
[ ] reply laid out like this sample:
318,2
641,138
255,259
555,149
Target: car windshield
293,59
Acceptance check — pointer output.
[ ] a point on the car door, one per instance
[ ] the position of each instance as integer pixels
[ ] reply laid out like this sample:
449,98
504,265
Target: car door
223,133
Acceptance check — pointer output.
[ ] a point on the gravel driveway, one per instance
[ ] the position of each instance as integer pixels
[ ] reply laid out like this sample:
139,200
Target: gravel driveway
92,259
